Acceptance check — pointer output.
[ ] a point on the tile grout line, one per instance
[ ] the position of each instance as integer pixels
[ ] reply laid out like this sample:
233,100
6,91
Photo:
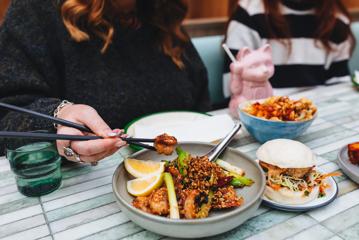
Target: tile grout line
11,234
92,222
46,220
336,233
76,214
81,190
82,211
304,214
107,184
129,235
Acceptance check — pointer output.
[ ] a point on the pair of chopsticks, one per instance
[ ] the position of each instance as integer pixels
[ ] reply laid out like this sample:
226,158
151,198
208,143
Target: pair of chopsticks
53,137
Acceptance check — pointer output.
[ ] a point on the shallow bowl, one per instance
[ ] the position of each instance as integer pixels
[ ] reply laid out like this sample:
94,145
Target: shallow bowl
218,221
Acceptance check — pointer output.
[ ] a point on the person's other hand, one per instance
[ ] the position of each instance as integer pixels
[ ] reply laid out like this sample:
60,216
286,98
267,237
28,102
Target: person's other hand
89,151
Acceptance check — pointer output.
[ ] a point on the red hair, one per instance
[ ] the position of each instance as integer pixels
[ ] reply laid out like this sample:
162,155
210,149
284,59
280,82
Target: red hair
85,17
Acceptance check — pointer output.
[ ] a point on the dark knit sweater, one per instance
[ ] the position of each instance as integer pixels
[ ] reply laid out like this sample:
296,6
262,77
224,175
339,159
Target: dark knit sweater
40,65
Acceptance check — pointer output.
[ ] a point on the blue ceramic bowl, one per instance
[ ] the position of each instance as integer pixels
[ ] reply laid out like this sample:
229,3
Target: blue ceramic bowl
264,130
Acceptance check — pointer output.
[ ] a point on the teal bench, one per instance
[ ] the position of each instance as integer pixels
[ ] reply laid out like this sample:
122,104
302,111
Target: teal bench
211,52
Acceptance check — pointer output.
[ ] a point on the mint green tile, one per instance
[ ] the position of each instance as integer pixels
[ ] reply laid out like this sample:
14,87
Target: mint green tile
331,156
243,141
330,138
144,235
21,225
286,229
317,232
341,115
6,174
79,207
331,132
350,233
346,119
256,225
252,154
340,178
75,180
309,136
335,237
126,151
6,181
88,169
343,220
19,204
118,232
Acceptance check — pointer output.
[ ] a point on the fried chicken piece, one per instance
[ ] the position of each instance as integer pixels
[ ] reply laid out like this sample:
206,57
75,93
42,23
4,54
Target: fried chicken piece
165,144
190,207
293,172
158,202
226,198
142,204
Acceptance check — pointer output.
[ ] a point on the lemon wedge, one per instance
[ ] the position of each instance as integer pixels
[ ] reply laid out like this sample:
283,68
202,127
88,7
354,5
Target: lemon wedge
139,168
140,187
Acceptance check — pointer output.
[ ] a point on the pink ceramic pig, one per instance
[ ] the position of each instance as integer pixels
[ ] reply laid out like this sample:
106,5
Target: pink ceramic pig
250,75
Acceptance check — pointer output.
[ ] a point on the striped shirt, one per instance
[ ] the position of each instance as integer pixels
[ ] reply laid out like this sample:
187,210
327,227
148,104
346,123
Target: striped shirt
308,63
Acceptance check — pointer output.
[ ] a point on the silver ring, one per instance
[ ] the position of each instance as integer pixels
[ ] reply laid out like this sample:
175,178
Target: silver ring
72,155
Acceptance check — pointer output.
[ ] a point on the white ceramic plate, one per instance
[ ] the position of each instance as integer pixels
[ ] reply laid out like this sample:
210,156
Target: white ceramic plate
351,170
331,194
161,120
165,119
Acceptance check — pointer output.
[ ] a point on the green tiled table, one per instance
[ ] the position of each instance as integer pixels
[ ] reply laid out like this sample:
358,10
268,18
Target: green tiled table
84,206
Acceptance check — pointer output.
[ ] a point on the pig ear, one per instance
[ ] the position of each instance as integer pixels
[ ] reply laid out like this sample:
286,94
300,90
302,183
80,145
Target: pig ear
243,52
267,49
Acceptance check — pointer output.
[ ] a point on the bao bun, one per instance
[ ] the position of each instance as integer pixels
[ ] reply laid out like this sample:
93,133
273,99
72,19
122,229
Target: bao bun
286,153
286,196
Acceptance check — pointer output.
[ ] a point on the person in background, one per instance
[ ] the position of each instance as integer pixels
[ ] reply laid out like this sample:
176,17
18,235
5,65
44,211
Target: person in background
113,60
311,40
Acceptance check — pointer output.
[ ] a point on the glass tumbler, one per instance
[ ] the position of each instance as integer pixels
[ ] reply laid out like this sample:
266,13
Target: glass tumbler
37,167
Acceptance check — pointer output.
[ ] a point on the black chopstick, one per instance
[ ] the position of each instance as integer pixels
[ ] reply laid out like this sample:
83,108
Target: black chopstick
130,139
54,137
47,136
67,123
51,118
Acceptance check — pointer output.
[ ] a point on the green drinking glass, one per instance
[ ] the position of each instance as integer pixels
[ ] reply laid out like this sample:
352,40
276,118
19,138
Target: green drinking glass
37,167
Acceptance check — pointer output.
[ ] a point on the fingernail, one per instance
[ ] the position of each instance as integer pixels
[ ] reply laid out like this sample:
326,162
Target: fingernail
112,134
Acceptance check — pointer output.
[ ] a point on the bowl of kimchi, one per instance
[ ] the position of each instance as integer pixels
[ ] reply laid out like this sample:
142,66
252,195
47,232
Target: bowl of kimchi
277,117
226,211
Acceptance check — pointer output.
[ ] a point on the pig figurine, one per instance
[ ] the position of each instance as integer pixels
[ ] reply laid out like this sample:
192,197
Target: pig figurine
250,76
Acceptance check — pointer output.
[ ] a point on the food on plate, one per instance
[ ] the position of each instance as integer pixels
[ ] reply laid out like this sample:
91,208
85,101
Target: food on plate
280,108
172,199
165,144
191,188
144,186
353,152
139,168
291,177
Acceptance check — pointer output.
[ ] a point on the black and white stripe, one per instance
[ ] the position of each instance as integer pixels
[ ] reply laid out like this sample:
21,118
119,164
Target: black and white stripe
308,63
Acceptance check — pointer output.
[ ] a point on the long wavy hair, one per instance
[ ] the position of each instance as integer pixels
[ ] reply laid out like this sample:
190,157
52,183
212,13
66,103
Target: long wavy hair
85,18
326,12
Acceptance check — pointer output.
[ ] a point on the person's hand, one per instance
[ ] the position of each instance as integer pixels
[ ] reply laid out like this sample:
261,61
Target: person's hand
88,151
